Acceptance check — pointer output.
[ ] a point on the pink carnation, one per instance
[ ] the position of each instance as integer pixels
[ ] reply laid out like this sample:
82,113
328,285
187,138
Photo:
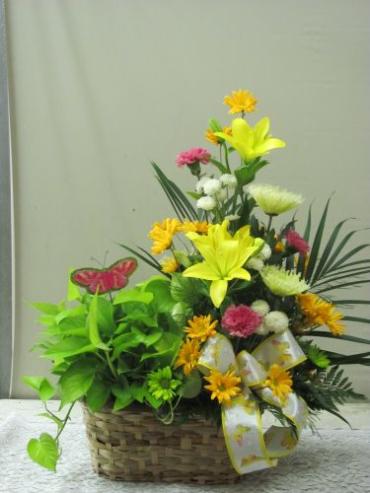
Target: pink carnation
193,156
240,321
296,241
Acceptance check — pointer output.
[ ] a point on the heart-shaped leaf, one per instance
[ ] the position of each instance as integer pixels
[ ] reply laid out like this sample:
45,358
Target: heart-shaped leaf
44,451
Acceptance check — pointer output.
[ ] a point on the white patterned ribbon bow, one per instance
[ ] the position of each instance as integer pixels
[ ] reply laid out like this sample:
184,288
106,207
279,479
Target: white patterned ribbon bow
250,448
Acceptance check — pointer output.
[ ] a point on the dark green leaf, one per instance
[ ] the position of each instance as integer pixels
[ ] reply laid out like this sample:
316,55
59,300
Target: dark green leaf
156,266
317,243
219,165
357,319
328,250
77,380
138,392
191,386
97,395
69,347
319,333
186,289
123,397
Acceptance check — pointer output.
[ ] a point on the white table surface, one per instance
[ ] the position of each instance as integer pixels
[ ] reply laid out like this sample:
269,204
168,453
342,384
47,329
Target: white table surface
338,460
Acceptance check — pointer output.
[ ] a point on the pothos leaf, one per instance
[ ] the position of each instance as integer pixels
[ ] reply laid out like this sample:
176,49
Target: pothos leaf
44,451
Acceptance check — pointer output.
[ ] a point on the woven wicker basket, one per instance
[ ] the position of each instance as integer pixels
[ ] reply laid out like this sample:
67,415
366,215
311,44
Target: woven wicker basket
132,445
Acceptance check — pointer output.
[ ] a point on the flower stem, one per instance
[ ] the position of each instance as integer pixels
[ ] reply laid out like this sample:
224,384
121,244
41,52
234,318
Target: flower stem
65,420
111,367
226,157
269,223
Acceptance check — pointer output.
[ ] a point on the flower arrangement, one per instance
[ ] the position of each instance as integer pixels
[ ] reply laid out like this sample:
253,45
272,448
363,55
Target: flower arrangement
229,326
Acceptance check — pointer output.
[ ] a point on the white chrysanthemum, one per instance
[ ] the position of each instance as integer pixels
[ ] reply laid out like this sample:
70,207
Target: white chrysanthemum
276,321
282,282
261,307
274,200
212,186
255,263
266,252
228,180
206,203
199,185
221,195
232,217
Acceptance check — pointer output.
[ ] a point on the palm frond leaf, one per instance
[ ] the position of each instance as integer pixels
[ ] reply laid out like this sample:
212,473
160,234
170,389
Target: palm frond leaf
315,250
181,204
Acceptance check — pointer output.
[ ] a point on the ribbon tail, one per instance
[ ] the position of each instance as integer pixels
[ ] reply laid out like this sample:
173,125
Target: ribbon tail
244,437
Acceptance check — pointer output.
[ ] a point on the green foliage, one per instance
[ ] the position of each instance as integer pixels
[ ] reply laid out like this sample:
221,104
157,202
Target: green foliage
192,385
44,451
324,390
328,268
246,173
102,348
77,380
42,386
180,203
187,289
98,394
318,357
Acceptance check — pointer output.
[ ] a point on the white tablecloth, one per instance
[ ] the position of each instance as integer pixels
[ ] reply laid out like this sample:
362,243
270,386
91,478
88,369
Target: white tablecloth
337,461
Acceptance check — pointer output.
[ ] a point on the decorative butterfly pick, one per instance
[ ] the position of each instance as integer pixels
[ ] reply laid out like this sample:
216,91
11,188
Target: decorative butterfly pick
104,280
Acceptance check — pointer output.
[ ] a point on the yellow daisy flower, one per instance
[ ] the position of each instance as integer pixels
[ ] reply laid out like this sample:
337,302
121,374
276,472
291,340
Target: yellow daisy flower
223,386
188,355
213,139
279,247
320,312
162,234
169,265
240,101
201,327
194,227
279,381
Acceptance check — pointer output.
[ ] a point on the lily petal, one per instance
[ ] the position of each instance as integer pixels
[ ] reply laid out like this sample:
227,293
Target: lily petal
240,273
218,292
269,145
201,271
241,129
261,129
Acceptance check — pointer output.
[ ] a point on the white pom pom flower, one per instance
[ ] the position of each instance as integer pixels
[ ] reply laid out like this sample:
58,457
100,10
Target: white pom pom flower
221,195
276,321
200,184
266,252
261,307
228,180
255,263
206,203
232,217
212,186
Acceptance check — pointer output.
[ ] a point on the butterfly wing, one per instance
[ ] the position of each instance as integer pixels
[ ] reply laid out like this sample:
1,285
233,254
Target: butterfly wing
89,278
104,280
120,272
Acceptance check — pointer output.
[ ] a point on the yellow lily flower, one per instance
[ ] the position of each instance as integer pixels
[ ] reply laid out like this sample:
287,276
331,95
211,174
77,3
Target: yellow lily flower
251,142
224,257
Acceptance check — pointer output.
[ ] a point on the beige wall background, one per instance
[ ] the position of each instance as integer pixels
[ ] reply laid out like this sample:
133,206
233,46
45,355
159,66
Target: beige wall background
98,88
